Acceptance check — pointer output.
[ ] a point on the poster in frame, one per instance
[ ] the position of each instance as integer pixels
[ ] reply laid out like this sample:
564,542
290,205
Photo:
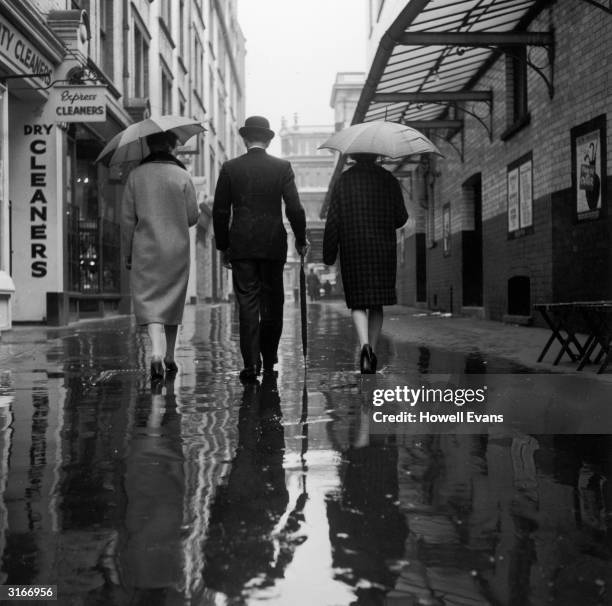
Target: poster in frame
588,147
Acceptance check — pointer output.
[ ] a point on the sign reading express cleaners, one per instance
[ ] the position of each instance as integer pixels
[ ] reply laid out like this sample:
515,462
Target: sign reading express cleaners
79,103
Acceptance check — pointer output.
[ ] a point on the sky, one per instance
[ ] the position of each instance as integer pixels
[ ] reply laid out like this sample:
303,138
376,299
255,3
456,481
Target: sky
294,50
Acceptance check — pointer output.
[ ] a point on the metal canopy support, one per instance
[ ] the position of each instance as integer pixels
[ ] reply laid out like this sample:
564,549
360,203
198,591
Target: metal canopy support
436,124
476,39
434,97
505,40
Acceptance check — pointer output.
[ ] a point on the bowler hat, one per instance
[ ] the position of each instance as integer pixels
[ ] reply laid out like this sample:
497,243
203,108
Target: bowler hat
256,126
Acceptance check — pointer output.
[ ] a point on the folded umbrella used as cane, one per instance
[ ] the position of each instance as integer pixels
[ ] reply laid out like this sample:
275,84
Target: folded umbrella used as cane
304,316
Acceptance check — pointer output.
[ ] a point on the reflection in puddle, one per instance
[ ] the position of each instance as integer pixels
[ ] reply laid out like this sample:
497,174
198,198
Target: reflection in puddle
209,492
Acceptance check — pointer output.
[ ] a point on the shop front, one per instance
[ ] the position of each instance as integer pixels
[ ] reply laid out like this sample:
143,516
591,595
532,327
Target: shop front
64,228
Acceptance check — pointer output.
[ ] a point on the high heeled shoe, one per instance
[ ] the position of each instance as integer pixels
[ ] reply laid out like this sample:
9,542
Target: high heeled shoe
171,367
157,369
367,364
373,361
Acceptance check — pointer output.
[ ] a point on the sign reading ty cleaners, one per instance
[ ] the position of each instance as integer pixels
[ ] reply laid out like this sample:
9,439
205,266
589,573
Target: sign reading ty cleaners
79,103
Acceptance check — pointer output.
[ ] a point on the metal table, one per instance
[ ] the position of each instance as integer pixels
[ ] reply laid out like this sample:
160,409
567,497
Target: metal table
563,319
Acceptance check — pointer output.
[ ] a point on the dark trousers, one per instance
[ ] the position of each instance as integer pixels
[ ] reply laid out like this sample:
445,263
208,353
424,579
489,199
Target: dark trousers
259,290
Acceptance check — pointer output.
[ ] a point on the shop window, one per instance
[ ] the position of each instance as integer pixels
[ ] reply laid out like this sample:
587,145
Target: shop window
520,197
93,244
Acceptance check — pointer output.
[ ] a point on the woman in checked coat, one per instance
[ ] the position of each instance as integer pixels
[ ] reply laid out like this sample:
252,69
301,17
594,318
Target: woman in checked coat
366,208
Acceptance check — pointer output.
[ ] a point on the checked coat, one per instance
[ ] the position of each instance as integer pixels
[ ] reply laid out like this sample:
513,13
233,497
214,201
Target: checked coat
366,208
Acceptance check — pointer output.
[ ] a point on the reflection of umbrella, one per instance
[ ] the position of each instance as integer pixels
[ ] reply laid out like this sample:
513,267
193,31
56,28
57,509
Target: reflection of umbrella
388,139
130,145
303,308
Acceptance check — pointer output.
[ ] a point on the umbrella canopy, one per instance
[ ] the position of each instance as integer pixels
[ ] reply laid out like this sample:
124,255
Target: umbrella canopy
130,144
388,139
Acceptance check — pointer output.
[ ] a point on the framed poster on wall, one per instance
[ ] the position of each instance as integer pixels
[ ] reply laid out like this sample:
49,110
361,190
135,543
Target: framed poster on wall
589,168
520,196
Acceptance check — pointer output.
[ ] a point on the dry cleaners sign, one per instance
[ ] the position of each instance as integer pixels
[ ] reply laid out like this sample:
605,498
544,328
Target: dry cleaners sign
79,103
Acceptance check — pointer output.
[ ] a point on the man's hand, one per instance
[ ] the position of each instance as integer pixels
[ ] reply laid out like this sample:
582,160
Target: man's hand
303,249
225,259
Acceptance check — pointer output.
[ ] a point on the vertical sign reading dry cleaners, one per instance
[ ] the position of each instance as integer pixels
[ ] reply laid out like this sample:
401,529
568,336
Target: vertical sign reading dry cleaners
37,136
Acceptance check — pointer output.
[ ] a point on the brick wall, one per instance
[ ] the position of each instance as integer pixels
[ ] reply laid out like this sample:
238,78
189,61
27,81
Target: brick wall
562,259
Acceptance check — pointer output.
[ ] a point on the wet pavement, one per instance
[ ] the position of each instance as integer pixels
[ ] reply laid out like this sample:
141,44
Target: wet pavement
283,492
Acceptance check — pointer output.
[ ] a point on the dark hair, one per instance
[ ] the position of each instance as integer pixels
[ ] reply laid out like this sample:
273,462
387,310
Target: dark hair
363,157
162,141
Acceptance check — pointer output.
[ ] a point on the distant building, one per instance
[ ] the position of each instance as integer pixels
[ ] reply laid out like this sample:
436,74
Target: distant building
313,169
344,97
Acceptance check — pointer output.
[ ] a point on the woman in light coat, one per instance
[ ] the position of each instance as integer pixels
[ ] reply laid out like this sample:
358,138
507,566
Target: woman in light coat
158,208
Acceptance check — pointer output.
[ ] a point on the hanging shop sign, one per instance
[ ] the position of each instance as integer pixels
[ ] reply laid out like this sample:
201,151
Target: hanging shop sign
21,54
79,103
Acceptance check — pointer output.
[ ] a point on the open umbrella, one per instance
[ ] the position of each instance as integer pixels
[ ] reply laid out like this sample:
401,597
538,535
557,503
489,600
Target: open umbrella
388,139
130,144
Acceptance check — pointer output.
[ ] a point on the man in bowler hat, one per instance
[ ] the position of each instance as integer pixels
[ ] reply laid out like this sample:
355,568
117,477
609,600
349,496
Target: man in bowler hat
249,231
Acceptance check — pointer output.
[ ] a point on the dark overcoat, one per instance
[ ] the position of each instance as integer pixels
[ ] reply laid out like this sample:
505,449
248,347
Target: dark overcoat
366,207
248,209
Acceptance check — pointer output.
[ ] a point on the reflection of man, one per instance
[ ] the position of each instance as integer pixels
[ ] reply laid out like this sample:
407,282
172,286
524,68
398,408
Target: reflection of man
244,545
248,225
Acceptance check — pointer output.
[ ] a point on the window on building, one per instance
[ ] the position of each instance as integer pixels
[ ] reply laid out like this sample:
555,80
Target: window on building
106,38
211,27
181,26
166,89
517,114
211,98
212,178
141,63
520,196
221,54
221,119
198,67
182,104
166,13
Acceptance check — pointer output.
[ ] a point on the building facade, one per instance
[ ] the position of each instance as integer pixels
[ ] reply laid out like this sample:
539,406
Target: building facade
72,75
515,96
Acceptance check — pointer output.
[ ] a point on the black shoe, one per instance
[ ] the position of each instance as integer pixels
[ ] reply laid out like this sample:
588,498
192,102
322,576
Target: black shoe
248,374
367,364
157,369
171,367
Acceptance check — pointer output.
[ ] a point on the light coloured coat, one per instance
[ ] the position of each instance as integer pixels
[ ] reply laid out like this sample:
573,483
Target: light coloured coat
158,208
